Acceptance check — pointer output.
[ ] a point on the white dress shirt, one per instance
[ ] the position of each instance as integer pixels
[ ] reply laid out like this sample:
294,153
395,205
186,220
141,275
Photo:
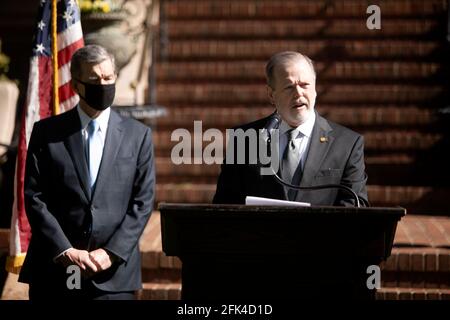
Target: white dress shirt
302,137
102,119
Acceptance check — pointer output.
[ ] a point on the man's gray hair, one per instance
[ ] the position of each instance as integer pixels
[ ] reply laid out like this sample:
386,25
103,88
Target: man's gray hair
92,54
283,58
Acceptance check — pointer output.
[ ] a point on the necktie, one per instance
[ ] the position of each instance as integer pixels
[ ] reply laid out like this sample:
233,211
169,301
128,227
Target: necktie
94,151
290,161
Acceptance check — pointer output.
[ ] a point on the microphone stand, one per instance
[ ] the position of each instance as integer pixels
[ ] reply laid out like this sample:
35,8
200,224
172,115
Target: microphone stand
324,186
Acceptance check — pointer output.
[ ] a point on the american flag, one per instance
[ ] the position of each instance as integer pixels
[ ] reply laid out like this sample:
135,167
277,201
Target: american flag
40,102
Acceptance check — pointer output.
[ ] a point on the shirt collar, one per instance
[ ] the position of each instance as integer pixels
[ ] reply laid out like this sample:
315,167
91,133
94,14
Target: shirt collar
102,119
305,128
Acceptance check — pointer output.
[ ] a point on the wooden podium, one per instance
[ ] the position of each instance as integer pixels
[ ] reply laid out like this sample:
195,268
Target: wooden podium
235,252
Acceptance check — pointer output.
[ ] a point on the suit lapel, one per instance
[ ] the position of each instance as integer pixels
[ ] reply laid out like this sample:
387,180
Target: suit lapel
113,141
74,145
321,141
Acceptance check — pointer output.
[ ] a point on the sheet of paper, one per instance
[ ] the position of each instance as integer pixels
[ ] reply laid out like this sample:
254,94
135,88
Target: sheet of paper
273,202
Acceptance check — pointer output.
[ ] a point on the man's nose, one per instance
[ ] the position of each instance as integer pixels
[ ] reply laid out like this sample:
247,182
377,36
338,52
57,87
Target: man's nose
298,91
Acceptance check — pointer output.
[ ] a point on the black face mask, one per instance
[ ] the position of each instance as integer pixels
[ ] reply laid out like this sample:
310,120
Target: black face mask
98,96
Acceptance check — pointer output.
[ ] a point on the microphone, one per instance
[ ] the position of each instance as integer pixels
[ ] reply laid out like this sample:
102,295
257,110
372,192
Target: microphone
274,123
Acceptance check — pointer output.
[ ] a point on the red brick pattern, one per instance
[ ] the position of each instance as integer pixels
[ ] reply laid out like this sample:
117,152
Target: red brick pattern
217,51
385,84
412,294
418,259
160,291
246,71
384,196
263,49
151,249
298,8
172,291
416,236
332,93
361,115
386,140
262,29
185,193
420,270
397,195
424,231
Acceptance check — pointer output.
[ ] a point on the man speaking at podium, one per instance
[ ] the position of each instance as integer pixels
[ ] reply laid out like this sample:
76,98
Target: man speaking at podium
313,151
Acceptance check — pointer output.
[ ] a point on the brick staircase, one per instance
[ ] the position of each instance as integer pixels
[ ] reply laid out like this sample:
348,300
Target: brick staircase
418,268
387,84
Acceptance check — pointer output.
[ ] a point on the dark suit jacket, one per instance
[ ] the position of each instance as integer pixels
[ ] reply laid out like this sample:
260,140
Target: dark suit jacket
62,211
337,159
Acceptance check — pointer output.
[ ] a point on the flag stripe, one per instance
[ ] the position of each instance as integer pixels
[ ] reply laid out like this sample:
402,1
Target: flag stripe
45,87
22,222
32,106
65,54
64,74
70,35
66,91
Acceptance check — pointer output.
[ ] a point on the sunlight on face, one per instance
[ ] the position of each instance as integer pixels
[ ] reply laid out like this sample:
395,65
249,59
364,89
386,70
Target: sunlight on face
294,93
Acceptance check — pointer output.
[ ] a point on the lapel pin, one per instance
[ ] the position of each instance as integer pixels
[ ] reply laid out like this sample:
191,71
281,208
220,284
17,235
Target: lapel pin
323,139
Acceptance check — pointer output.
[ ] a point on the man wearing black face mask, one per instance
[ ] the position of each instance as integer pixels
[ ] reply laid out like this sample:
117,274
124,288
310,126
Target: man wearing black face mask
89,190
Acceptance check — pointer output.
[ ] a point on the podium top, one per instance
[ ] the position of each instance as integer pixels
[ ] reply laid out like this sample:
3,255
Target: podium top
214,229
397,212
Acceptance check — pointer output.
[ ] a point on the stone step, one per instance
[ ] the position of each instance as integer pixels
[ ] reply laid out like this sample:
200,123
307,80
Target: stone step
416,199
226,94
172,291
159,291
418,267
421,244
419,261
381,140
168,172
393,169
350,49
353,116
156,266
412,294
296,9
300,29
247,71
424,231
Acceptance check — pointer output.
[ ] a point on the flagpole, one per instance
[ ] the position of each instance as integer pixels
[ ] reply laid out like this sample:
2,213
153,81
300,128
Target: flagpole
55,57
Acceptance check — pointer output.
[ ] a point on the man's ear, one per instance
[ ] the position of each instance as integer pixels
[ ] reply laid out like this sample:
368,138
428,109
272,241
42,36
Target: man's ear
270,95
